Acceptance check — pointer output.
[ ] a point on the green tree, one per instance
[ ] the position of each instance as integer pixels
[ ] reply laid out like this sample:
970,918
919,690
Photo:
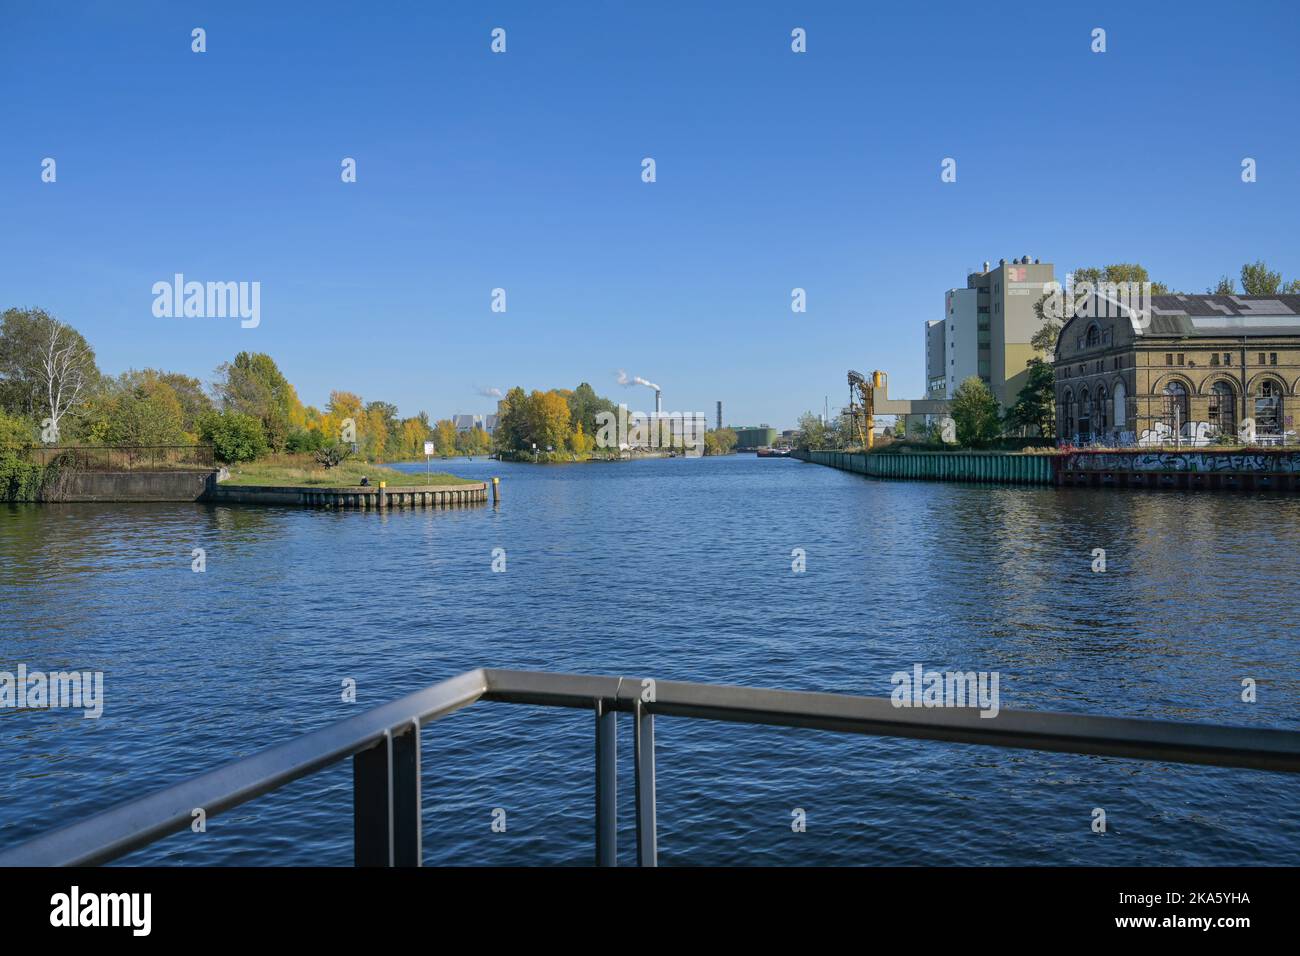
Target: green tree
1044,340
813,432
1259,279
975,412
194,401
20,478
512,421
234,436
1224,287
254,385
584,406
473,441
1035,406
135,409
303,441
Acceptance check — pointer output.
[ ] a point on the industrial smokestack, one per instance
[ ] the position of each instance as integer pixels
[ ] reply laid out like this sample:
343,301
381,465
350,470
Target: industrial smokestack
658,403
719,416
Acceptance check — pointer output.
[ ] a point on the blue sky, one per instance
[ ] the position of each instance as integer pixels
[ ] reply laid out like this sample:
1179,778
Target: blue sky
523,171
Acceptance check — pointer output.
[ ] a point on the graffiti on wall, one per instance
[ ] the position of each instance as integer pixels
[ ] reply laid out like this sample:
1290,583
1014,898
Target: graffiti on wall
1196,434
1211,462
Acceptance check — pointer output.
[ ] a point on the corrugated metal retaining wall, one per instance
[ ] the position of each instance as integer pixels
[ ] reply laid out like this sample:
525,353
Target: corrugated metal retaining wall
949,466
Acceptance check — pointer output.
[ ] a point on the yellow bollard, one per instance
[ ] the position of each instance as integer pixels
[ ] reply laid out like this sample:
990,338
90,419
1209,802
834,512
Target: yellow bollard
496,491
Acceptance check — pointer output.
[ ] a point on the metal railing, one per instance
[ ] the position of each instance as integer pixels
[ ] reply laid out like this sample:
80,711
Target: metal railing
128,457
385,750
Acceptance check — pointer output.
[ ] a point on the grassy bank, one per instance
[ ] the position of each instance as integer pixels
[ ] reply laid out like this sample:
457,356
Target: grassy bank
302,471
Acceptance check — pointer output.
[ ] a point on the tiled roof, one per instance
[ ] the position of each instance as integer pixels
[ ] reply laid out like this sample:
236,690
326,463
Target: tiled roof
1218,315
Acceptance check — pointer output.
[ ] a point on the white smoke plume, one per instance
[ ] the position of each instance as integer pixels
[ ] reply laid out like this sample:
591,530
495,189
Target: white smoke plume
624,380
490,392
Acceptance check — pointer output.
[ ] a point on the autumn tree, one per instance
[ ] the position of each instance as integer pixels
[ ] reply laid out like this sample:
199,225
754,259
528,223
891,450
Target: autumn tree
580,443
444,437
342,408
719,441
414,434
548,420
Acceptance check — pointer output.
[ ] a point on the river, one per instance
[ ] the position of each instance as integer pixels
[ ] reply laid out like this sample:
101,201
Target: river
673,569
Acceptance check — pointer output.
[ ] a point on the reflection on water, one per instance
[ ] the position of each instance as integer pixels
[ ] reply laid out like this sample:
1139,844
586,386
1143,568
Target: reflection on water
676,570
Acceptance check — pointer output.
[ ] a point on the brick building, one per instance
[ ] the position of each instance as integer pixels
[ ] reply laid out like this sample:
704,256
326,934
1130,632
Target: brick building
1197,368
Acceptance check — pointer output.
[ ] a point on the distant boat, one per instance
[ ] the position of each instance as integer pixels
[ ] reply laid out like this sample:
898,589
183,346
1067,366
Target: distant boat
773,453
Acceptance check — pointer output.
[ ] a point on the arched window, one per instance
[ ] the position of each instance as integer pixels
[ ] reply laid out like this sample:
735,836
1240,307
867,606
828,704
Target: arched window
1121,410
1268,408
1067,415
1223,408
1176,406
1093,338
1102,418
1085,415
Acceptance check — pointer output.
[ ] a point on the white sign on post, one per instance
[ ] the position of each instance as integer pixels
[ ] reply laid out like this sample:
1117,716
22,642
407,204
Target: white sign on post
428,448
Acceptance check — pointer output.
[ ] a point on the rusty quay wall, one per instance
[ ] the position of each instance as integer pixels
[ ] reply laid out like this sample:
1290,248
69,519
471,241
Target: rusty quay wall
1209,469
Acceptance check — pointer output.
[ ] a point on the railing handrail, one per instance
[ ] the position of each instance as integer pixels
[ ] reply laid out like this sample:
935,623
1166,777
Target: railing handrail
136,823
194,445
191,456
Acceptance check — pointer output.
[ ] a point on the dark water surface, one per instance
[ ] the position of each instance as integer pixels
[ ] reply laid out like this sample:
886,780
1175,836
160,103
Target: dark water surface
675,570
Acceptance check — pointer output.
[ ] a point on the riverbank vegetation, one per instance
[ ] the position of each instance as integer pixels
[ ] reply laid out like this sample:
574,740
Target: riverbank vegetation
52,393
20,478
720,441
977,422
564,425
555,425
303,470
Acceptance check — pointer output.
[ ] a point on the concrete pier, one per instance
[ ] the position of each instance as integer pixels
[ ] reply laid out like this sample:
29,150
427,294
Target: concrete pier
355,498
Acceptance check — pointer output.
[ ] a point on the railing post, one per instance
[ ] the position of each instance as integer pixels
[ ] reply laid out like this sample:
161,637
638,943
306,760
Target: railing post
386,801
606,785
647,848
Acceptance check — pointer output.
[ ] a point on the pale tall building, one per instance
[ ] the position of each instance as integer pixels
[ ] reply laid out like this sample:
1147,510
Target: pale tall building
986,330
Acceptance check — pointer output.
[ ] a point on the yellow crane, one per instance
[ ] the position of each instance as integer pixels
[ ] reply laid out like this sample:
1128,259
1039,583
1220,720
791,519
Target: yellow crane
862,404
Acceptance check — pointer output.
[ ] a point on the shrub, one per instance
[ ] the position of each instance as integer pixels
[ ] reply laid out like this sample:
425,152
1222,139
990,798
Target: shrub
332,455
235,437
20,479
301,442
